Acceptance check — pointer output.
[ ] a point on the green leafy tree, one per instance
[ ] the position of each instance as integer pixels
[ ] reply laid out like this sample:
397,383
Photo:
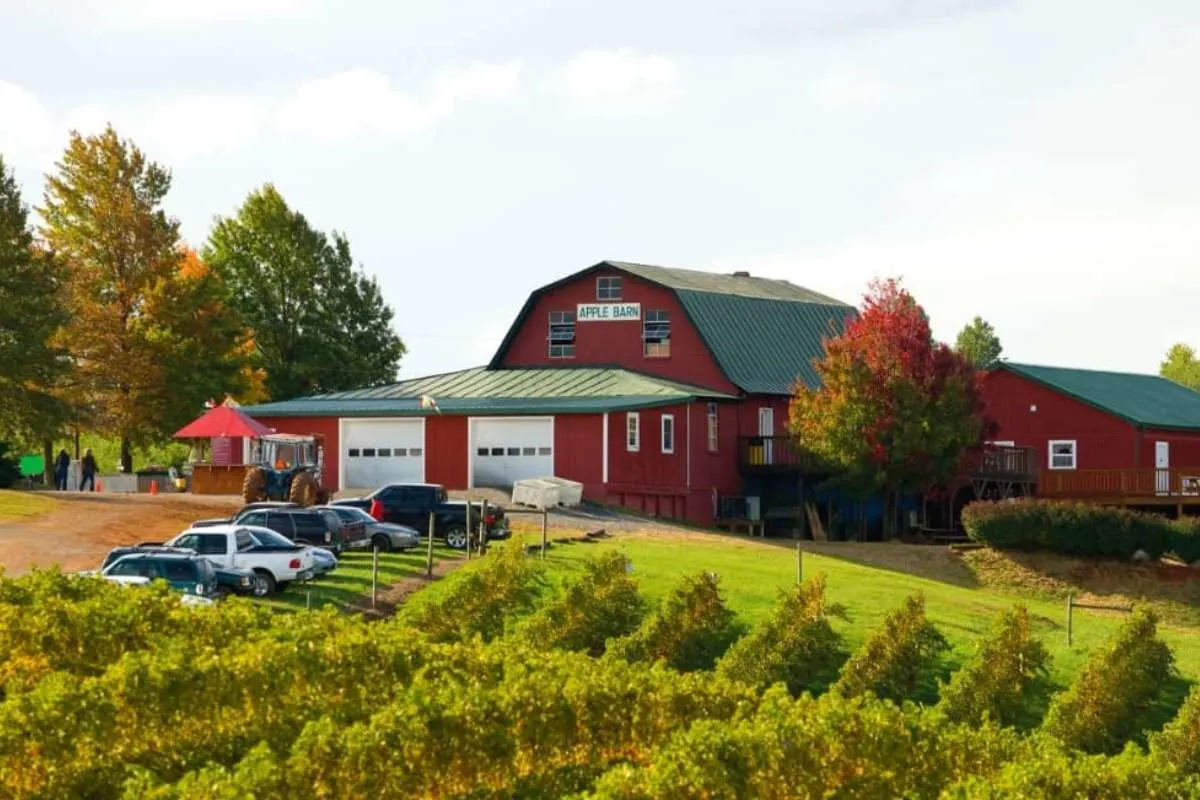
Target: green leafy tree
149,343
1181,366
895,411
31,313
320,323
978,343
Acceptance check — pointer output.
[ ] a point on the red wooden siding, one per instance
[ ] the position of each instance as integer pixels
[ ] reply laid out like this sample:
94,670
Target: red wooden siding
577,451
617,343
1184,450
446,454
748,413
324,426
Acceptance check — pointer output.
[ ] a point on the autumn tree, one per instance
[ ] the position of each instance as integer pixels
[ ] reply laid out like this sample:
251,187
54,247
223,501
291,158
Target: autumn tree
31,312
978,343
320,323
1181,366
895,411
147,330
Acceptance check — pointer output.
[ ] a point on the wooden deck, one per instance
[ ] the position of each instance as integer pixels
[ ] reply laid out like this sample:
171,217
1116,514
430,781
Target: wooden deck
1133,487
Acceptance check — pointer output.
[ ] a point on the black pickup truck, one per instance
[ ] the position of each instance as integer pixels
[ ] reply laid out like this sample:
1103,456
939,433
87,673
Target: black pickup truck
411,504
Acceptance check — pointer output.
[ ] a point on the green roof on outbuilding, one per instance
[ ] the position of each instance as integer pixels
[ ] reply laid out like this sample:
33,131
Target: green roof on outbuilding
764,333
1147,400
570,390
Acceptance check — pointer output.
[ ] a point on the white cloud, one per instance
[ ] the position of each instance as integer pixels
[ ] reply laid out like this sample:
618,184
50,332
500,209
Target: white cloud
25,124
363,101
619,83
851,87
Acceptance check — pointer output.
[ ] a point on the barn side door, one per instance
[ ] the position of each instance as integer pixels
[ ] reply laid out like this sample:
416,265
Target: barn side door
1162,467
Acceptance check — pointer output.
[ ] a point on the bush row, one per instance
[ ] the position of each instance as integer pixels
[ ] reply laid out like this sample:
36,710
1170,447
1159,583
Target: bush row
1078,529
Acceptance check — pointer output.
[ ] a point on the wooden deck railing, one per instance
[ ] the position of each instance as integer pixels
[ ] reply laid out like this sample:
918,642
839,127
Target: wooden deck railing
1005,462
1117,484
776,454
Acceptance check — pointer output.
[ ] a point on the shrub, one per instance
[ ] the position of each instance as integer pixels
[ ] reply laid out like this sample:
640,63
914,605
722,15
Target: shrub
1179,742
891,662
795,645
1070,528
1183,540
993,684
689,630
604,604
1104,706
480,599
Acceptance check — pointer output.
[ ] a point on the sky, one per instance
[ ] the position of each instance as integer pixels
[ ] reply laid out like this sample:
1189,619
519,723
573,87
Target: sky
1032,162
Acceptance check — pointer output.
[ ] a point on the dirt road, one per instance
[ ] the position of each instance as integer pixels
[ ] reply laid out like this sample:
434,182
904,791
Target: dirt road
84,527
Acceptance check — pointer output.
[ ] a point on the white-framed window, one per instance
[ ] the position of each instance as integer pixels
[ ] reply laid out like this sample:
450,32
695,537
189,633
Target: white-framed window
668,433
1062,454
656,334
633,432
713,438
561,336
608,288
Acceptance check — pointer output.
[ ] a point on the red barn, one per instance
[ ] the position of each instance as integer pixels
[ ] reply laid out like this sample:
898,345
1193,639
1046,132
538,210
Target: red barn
658,389
1104,437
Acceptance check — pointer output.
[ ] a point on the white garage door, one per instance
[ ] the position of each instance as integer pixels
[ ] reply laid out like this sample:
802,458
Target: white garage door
380,451
509,450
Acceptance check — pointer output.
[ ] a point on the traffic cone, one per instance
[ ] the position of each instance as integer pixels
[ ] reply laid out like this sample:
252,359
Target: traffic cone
153,487
99,486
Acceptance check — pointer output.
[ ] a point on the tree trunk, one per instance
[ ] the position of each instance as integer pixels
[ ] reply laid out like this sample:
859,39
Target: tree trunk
889,515
48,463
126,457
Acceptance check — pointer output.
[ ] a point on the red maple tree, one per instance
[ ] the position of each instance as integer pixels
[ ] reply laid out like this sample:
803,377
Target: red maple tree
896,411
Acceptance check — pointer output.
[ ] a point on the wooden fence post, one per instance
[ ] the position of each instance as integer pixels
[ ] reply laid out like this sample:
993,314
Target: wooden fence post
429,552
374,574
799,563
1070,614
482,526
545,518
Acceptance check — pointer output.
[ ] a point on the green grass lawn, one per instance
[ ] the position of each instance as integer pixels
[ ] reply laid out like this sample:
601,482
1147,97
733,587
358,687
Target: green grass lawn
350,583
23,505
870,580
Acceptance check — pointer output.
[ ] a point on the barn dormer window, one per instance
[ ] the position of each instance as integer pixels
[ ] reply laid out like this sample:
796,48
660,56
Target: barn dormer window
562,334
656,334
608,288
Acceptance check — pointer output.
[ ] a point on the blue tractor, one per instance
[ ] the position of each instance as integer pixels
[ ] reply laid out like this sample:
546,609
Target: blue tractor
287,467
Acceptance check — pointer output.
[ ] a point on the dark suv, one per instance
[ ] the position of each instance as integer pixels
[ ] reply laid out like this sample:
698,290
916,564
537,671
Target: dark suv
317,527
188,573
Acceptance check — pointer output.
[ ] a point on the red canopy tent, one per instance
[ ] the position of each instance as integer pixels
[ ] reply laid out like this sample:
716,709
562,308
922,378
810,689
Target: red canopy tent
223,421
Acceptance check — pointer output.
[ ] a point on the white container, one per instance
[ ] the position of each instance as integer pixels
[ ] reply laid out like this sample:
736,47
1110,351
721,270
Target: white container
536,493
570,493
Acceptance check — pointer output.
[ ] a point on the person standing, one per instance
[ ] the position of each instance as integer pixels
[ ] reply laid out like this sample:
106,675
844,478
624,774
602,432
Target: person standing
62,466
89,471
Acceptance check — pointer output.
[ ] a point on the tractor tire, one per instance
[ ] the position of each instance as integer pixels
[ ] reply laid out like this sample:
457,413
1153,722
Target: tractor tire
254,487
323,497
303,491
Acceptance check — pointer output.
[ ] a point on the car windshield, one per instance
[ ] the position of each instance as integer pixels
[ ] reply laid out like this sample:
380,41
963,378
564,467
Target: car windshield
268,538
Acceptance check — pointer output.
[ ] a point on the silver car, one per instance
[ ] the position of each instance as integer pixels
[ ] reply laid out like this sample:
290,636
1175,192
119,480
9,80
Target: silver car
383,535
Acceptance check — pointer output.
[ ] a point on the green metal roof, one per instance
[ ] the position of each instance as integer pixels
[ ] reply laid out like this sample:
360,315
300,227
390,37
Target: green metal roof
764,333
1147,400
578,390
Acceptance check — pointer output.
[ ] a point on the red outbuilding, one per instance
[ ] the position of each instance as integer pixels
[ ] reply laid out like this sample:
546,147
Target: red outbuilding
661,390
1103,437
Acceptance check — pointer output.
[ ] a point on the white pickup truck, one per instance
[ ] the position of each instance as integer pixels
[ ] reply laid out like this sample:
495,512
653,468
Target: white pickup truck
277,560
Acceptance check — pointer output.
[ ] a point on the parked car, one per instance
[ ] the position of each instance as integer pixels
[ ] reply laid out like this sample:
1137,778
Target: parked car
278,561
410,504
265,505
230,580
384,536
313,526
324,562
185,572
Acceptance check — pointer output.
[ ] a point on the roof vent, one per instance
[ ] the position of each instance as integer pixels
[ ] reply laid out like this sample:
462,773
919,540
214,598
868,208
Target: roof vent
741,274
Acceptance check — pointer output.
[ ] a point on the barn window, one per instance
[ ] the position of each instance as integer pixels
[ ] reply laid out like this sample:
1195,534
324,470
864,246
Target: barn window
353,453
544,451
368,452
385,452
416,452
481,451
529,451
562,334
1062,454
608,288
656,334
713,439
633,432
668,433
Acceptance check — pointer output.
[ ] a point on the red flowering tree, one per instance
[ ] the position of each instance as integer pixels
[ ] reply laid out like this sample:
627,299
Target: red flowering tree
896,411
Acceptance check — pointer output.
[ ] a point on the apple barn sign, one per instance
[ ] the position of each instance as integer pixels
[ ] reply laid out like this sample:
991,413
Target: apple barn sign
608,312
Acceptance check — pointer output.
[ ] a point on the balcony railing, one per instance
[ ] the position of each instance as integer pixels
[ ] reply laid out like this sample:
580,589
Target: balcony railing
1013,463
1120,484
777,454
